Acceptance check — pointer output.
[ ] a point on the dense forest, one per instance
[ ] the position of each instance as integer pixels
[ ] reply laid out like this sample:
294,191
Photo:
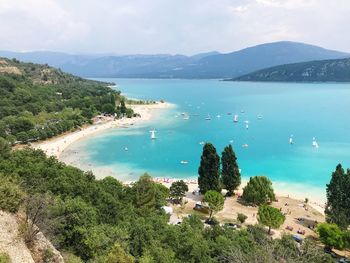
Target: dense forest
38,101
93,220
335,70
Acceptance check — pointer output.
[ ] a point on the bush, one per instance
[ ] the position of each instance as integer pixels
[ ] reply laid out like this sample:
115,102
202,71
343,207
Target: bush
241,218
4,258
11,195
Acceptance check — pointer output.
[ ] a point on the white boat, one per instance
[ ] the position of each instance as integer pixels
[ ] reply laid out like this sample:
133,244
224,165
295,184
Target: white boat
231,141
235,118
153,134
247,125
242,111
218,116
126,149
184,162
314,143
259,117
208,118
186,116
201,143
291,139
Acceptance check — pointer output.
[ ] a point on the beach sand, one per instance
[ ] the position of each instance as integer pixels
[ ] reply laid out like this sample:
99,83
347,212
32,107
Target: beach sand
56,146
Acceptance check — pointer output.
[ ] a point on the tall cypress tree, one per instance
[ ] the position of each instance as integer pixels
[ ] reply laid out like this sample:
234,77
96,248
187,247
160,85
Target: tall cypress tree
338,198
231,177
209,170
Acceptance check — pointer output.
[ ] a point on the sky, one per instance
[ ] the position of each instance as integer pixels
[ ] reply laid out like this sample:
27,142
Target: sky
170,26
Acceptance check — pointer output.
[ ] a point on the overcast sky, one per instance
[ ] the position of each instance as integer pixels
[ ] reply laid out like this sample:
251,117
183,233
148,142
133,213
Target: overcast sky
170,26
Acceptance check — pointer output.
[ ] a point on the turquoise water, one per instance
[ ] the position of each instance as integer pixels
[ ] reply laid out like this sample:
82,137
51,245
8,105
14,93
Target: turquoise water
304,110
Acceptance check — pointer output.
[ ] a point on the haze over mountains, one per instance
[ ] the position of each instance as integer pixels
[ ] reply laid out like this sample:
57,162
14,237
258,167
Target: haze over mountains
205,65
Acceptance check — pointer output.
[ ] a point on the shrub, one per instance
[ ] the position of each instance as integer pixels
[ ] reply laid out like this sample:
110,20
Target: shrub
4,258
11,195
241,218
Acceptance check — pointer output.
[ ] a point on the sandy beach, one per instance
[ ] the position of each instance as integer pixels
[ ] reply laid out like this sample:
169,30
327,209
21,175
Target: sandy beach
56,146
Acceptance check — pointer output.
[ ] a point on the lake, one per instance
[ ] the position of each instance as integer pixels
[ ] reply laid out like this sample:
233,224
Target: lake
301,110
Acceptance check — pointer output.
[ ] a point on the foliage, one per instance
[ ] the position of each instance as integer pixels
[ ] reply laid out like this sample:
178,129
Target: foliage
230,175
214,200
331,235
338,198
32,109
178,190
258,191
209,170
105,221
4,258
11,195
5,148
241,217
270,216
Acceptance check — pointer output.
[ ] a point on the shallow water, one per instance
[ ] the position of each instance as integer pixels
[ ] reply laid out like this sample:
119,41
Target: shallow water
304,110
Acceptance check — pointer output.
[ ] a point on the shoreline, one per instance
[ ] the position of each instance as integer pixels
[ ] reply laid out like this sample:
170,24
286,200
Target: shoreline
57,145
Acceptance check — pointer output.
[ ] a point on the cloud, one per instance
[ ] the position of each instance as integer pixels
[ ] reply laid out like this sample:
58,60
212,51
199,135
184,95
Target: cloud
158,26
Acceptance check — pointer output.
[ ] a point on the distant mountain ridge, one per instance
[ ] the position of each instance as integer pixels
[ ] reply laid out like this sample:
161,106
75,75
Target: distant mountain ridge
335,70
205,65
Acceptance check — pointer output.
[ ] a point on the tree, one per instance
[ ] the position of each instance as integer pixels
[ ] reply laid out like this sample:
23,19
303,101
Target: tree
338,198
331,235
118,254
270,217
214,200
5,148
258,191
230,175
209,170
108,108
122,107
22,137
178,190
241,217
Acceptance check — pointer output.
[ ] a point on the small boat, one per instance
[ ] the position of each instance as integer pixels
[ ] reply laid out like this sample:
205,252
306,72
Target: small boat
231,141
208,118
153,134
201,143
218,116
229,113
126,149
245,145
235,118
259,117
184,162
242,111
247,125
186,116
291,139
314,143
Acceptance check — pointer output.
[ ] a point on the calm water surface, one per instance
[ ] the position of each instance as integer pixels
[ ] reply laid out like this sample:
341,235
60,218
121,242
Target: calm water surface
302,110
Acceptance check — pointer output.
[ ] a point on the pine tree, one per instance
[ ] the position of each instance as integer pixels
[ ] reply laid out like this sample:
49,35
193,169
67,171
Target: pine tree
338,198
209,170
231,177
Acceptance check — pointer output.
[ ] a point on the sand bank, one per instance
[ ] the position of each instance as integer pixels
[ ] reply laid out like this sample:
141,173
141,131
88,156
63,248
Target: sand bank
55,146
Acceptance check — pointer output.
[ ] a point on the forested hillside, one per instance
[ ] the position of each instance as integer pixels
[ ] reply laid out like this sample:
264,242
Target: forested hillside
104,221
38,101
336,70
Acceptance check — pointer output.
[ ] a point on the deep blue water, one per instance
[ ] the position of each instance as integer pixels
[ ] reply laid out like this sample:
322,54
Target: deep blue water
304,110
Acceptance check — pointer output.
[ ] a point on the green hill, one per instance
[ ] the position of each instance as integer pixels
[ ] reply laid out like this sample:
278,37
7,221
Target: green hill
334,70
38,101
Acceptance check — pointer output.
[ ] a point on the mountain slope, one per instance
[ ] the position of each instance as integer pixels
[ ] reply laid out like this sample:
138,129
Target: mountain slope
206,65
337,70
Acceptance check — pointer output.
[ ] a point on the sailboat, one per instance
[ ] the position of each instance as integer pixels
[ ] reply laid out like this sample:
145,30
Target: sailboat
291,139
208,118
314,143
235,118
247,125
153,134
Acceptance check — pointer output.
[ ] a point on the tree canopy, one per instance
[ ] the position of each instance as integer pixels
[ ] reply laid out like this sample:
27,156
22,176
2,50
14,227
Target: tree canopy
178,190
230,175
338,198
270,217
209,170
214,200
331,235
258,191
